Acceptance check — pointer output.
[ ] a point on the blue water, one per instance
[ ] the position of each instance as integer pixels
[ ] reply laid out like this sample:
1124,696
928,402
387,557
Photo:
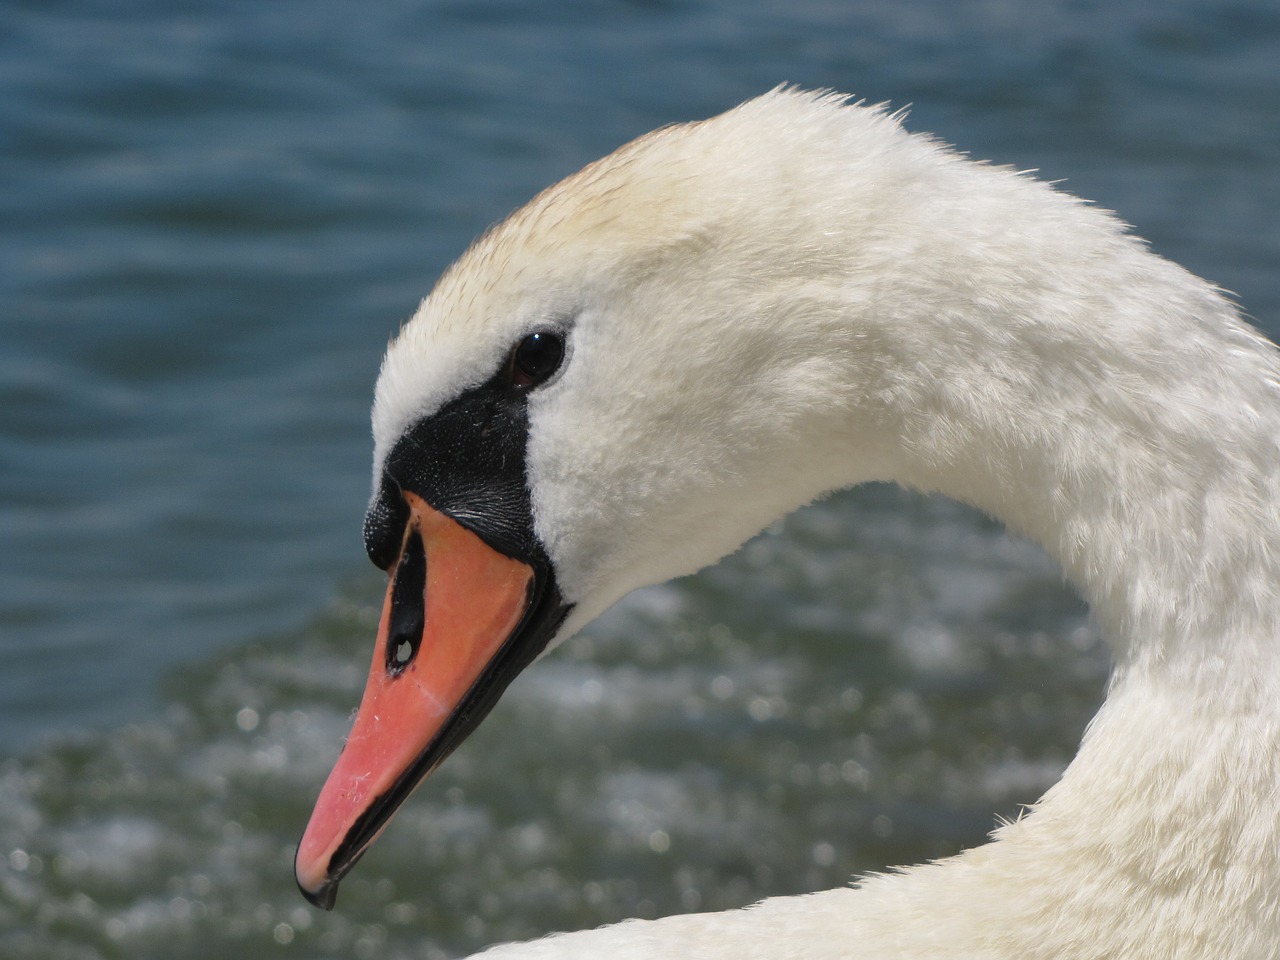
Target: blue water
211,219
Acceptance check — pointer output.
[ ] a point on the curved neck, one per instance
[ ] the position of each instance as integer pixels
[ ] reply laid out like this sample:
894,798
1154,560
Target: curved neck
1124,417
1128,421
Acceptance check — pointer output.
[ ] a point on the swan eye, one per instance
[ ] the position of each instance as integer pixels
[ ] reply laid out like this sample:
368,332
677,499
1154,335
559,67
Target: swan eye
535,358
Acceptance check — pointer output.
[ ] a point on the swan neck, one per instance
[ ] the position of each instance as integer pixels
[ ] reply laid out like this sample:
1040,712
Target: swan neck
1135,437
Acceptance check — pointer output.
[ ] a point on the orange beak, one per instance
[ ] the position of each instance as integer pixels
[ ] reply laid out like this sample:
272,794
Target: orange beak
448,644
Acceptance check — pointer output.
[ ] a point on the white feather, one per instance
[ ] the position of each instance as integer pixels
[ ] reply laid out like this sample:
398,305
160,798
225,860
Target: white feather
797,296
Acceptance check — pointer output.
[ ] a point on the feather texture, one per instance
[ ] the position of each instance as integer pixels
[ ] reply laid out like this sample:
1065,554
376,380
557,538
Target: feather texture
799,295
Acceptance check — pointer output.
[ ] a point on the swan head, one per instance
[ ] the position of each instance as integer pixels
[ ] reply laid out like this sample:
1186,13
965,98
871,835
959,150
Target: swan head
681,280
620,384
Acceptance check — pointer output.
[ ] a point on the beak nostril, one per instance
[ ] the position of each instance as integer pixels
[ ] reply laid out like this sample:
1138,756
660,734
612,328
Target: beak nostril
408,605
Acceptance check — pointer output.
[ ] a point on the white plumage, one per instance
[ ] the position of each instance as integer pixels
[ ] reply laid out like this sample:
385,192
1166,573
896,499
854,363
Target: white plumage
798,296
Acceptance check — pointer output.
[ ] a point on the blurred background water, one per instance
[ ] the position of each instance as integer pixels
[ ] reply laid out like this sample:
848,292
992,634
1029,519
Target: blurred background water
212,216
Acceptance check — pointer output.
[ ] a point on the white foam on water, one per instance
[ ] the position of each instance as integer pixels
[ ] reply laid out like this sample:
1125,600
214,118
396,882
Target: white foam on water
807,710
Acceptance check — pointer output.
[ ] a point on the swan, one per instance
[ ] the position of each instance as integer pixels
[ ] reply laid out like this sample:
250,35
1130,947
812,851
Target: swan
724,320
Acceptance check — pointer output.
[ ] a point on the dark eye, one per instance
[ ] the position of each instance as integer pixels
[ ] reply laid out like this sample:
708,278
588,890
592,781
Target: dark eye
535,358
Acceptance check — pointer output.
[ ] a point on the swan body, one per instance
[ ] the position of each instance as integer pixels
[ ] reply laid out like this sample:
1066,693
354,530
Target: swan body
798,296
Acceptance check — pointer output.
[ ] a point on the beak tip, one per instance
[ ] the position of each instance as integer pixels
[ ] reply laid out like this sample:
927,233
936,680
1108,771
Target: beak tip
323,896
321,890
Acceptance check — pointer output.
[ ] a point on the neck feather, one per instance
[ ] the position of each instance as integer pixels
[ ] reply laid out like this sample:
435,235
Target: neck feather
1122,415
